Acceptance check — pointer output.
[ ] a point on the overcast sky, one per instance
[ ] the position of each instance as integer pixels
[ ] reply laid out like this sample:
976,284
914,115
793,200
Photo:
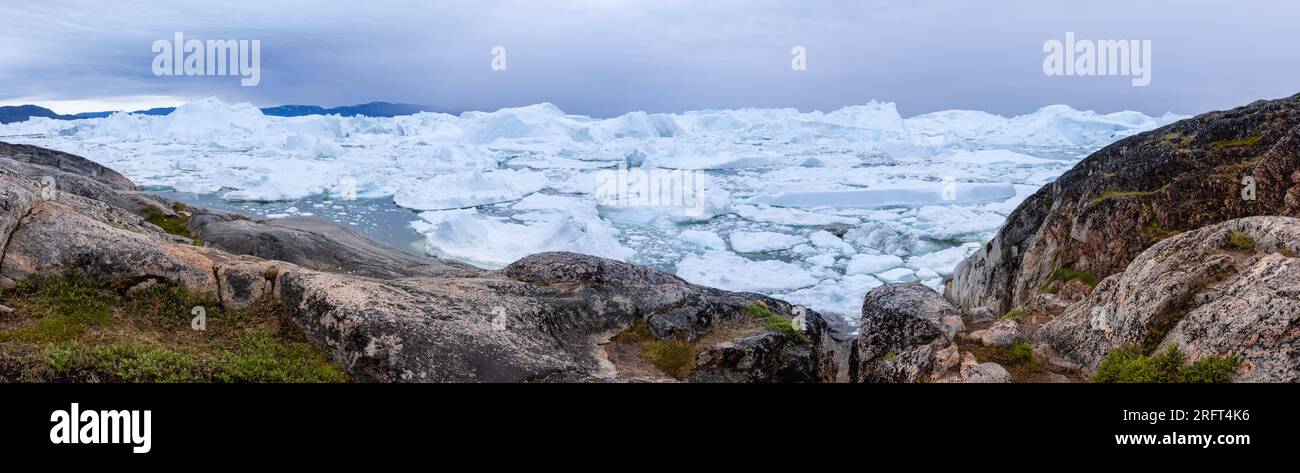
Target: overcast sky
608,57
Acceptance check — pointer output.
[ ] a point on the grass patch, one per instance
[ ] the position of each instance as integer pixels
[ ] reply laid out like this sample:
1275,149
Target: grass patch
1127,364
1020,354
776,323
1064,275
72,328
1018,358
178,224
1159,231
1241,241
66,305
1016,315
1177,140
674,357
255,357
1247,141
1118,194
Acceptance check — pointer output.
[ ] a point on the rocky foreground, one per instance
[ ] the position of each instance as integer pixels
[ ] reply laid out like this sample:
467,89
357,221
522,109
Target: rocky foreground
1143,263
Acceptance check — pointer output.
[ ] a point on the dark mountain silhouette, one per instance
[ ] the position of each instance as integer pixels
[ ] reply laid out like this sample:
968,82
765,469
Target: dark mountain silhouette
19,113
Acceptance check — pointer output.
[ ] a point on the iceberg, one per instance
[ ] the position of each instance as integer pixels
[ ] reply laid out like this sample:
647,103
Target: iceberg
910,196
763,242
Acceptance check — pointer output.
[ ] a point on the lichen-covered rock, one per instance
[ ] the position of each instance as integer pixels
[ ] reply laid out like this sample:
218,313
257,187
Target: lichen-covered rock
760,358
96,239
1201,292
906,335
987,372
1001,334
244,281
1124,198
316,244
17,197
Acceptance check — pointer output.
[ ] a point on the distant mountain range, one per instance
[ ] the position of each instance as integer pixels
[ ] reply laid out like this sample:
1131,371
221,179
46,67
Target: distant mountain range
19,113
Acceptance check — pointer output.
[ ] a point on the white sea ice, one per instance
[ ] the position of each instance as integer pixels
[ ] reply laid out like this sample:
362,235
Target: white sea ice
700,239
896,275
828,241
494,242
762,242
871,264
916,194
726,270
835,296
470,189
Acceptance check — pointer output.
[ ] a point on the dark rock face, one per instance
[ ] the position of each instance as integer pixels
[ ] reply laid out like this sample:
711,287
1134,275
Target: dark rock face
1200,292
762,358
1126,197
907,334
67,163
316,244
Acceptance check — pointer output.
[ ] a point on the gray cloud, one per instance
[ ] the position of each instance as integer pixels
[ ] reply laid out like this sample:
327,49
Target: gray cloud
606,57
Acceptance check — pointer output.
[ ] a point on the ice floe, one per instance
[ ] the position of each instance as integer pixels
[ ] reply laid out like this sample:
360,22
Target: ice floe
817,207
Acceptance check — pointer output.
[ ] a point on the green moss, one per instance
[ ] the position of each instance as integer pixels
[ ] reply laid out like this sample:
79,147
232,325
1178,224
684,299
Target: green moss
776,323
1159,231
256,357
1241,241
1020,353
1210,369
145,336
127,362
1064,275
66,304
639,331
1117,194
1017,314
174,224
891,356
259,357
1047,203
1247,141
1017,358
674,357
1177,140
1127,364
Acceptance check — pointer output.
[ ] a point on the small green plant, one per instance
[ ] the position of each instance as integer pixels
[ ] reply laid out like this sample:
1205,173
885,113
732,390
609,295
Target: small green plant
177,224
1017,314
144,336
1241,241
1127,364
674,357
1248,141
1066,274
1159,231
67,305
1117,194
776,323
256,357
1020,353
891,356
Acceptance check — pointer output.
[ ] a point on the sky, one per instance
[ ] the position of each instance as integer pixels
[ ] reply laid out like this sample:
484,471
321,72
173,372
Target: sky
608,57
